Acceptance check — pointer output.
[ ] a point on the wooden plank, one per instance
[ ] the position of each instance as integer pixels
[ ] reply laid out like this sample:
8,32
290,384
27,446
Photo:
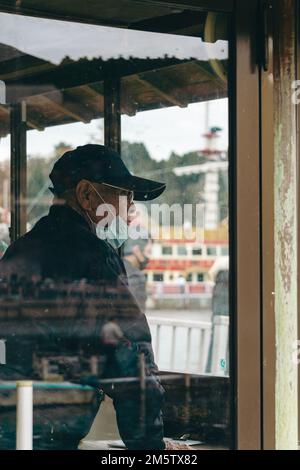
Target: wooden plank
64,108
18,171
285,230
29,121
112,114
166,95
268,288
245,229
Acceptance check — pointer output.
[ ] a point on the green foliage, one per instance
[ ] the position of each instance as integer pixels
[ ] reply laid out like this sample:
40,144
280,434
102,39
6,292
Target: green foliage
38,195
184,189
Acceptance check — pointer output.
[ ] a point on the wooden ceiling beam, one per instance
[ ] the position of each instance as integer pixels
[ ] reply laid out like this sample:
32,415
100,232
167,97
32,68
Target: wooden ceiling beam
29,121
64,108
166,95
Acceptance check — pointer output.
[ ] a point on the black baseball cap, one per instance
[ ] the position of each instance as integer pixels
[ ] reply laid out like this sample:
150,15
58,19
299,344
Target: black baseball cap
100,164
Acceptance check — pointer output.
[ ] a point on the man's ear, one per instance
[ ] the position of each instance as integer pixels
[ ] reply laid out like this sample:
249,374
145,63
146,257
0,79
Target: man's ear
84,194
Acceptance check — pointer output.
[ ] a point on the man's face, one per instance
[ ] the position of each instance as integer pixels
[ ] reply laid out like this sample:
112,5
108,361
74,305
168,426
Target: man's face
110,201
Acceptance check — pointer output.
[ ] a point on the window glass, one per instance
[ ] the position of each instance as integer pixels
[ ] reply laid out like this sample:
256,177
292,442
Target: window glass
98,322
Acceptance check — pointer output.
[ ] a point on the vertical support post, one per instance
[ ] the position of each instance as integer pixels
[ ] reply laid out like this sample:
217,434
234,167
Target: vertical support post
112,118
298,187
24,415
285,228
112,114
18,170
267,242
187,399
142,380
173,349
2,351
245,236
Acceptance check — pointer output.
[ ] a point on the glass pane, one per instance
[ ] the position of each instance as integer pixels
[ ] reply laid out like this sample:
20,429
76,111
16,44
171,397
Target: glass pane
4,182
137,356
178,135
43,149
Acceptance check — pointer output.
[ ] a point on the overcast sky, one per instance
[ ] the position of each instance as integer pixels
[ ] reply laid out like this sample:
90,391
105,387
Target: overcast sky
52,40
162,130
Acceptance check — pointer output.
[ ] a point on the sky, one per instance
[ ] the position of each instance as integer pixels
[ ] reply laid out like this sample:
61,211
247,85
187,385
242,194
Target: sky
162,131
31,35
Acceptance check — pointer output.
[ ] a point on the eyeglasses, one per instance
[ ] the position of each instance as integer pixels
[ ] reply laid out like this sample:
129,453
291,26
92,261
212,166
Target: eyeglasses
122,192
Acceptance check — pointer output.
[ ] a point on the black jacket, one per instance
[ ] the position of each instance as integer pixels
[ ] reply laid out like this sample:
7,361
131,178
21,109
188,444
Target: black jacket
64,294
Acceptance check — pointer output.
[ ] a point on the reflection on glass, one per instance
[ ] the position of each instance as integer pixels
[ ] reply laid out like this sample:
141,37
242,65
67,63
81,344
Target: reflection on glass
181,137
4,191
82,335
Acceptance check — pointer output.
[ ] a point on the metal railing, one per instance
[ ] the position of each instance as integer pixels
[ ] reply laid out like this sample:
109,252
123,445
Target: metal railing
184,346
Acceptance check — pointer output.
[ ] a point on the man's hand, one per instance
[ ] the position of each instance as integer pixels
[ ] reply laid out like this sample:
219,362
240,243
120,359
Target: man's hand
176,446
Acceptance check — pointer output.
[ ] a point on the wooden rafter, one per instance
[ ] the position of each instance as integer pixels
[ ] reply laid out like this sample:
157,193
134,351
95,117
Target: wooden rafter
70,109
29,121
160,92
126,107
209,75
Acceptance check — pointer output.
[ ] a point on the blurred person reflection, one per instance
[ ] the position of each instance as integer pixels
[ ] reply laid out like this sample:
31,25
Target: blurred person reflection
80,303
136,257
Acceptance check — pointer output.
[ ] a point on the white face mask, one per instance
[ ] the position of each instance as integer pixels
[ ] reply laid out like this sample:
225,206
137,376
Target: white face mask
116,233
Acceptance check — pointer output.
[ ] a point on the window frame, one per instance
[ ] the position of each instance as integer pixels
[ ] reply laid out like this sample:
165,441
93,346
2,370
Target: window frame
244,206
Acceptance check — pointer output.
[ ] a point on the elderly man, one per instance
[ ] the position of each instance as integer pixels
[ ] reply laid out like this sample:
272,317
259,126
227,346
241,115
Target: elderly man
74,249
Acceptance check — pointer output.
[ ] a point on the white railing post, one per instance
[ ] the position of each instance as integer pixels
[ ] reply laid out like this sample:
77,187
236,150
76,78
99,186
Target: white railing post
169,348
2,351
220,345
24,415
